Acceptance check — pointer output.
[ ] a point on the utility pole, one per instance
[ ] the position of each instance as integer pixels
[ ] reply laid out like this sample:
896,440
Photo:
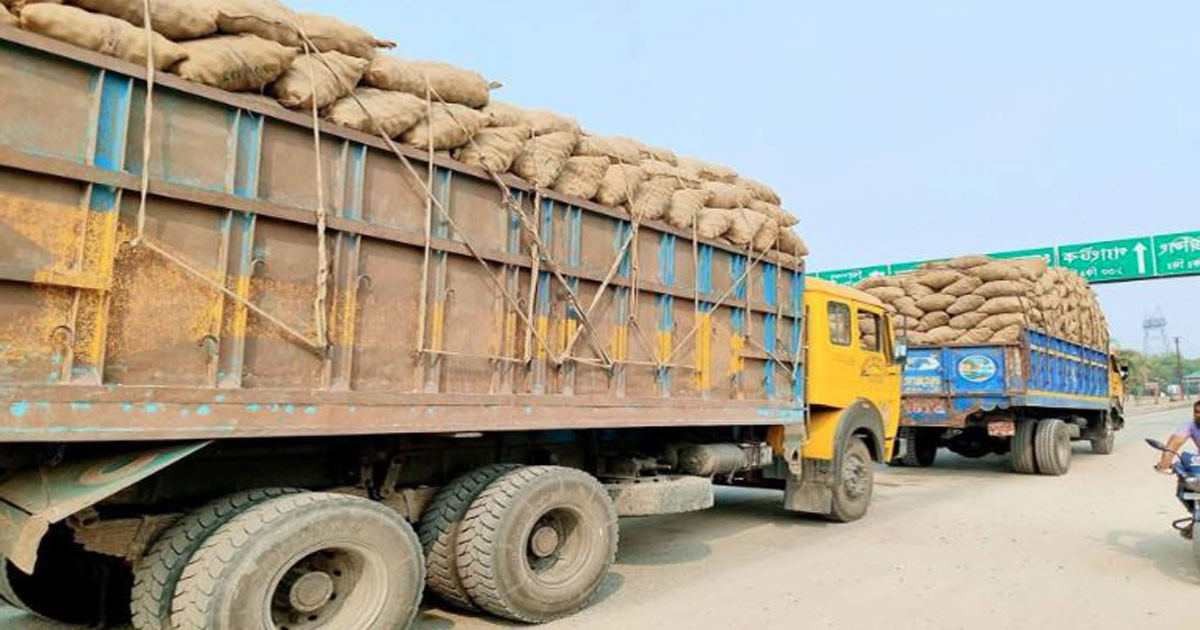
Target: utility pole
1183,394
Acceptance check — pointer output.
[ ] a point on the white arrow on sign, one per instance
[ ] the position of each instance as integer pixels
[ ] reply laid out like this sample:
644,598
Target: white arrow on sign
1141,254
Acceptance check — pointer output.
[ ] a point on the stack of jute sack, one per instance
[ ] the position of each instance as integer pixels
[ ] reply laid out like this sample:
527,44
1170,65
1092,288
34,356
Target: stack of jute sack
309,62
977,299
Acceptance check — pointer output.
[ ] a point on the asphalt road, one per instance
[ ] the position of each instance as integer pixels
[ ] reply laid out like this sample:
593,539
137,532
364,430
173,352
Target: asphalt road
965,544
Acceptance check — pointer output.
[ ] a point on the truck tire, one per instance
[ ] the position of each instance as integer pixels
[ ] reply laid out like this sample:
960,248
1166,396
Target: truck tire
1107,441
314,560
439,530
920,447
156,573
1022,455
1052,446
537,543
853,484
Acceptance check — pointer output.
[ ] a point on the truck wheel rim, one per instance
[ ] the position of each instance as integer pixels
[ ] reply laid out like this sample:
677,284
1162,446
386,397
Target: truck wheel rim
557,547
855,477
337,587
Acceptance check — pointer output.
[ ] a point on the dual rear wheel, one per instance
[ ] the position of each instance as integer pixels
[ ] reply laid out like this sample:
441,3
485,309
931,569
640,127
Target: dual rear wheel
1042,447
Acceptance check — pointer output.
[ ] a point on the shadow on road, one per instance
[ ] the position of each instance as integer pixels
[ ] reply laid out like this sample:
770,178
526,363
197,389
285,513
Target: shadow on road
1170,554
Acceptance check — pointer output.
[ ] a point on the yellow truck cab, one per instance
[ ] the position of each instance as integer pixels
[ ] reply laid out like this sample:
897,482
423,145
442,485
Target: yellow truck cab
853,393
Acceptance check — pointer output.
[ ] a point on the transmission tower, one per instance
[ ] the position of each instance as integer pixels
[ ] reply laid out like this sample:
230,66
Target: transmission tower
1154,338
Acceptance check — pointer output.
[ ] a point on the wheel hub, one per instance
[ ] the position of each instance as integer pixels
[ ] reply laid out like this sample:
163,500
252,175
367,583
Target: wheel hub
854,477
544,542
310,592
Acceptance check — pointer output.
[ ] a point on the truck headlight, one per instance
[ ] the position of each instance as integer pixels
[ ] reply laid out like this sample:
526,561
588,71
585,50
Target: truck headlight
1192,484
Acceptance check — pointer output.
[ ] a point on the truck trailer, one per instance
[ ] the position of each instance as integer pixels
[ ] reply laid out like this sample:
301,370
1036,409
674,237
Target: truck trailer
1030,398
262,371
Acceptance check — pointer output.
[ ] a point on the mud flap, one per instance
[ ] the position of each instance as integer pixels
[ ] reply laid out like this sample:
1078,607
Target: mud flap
33,500
812,491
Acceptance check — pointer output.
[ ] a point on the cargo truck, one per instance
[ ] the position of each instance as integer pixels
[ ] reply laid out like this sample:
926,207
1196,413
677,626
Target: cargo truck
1030,399
235,386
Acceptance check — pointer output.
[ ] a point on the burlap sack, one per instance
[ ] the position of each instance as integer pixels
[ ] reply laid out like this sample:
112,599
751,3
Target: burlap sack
699,169
766,236
685,205
744,227
615,148
581,176
968,320
651,199
395,112
544,121
502,114
451,83
267,19
1032,268
790,243
976,335
759,190
942,335
1001,288
938,279
713,222
783,217
620,182
296,87
915,289
878,281
936,319
966,304
787,261
901,321
936,302
962,263
235,63
493,148
727,195
1003,320
658,168
996,270
102,33
657,154
173,19
1008,304
963,286
331,34
6,18
908,307
451,126
1012,334
543,157
885,292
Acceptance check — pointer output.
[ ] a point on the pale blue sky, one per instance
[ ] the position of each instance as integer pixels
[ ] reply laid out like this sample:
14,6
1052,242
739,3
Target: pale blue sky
896,130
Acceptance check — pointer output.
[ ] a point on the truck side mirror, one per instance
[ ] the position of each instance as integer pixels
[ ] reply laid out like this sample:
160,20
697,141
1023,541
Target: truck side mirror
1124,371
900,356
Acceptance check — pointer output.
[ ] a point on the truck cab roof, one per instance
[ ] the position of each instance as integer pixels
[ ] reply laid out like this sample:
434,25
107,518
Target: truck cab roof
813,283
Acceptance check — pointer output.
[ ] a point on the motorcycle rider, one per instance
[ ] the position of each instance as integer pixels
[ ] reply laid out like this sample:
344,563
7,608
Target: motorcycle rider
1179,437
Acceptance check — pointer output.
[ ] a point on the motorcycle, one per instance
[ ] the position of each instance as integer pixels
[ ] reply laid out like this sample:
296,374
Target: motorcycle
1186,468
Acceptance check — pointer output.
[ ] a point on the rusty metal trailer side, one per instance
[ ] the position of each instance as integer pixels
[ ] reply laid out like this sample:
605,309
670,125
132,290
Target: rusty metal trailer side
187,335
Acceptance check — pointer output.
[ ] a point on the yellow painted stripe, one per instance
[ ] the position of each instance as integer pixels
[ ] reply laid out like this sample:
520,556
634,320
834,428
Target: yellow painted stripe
543,326
736,344
437,325
664,345
1038,392
704,353
619,343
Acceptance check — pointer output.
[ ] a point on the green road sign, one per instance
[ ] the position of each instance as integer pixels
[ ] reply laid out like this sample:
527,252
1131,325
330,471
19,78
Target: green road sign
1176,254
1045,253
1110,261
854,276
911,266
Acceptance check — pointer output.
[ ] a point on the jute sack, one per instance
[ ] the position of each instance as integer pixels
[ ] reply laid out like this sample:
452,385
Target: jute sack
309,79
1032,268
616,148
787,261
759,190
451,83
963,263
685,205
651,199
235,63
938,279
395,112
944,334
936,302
620,182
963,286
901,321
493,148
658,168
6,18
783,217
766,236
173,19
328,34
544,121
885,292
659,154
1001,288
936,319
1007,304
976,335
1003,320
543,157
581,176
996,270
908,307
451,126
713,222
744,227
878,281
791,243
267,19
502,114
916,289
699,169
969,320
102,33
727,195
1007,335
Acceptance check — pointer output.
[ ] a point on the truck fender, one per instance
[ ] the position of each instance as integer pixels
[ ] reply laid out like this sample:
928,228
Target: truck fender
33,500
812,491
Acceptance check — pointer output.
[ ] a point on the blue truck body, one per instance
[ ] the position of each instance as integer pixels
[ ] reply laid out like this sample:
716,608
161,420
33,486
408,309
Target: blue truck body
947,386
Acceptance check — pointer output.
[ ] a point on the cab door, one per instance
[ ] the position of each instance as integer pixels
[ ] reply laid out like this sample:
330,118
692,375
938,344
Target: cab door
878,372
